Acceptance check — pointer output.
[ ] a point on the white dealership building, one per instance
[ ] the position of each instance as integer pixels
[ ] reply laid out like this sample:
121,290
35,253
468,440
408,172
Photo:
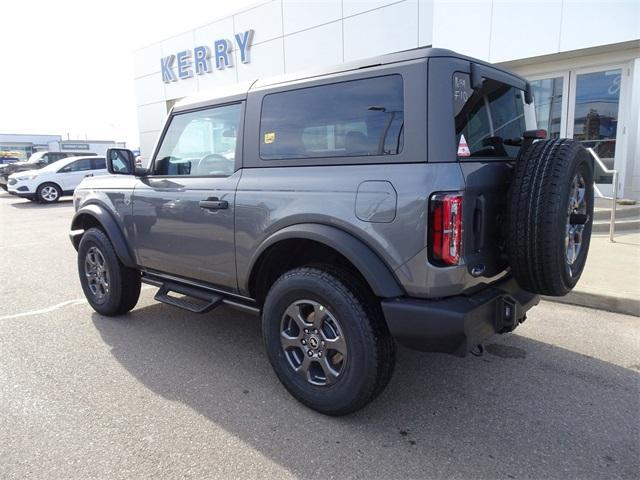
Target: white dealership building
582,57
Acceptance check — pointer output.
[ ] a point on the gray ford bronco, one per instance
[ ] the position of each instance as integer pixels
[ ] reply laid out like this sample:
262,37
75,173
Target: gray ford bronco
406,198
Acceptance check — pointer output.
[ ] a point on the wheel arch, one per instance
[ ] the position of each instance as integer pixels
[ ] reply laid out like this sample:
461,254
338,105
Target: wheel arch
94,215
324,239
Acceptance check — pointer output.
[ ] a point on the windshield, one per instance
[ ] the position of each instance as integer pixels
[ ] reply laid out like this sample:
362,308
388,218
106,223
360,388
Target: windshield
36,157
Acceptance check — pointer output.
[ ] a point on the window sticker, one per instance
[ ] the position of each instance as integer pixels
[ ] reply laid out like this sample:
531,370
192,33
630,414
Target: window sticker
463,148
269,137
461,91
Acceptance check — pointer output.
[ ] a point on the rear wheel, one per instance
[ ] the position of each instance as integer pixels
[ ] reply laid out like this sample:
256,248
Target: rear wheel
48,193
550,216
327,340
110,287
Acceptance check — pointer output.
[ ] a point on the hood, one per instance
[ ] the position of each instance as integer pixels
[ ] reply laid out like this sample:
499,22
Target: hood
19,167
25,172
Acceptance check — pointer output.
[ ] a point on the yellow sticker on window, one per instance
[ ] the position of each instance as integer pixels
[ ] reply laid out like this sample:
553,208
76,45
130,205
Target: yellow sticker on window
269,137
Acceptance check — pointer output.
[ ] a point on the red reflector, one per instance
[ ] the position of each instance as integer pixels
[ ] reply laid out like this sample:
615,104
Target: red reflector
541,134
534,134
446,228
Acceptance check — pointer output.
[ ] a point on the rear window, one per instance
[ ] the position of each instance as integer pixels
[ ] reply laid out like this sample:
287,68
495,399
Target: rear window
355,118
486,117
98,164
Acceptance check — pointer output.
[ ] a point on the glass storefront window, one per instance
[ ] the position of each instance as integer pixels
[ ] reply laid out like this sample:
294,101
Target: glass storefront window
15,151
548,102
596,114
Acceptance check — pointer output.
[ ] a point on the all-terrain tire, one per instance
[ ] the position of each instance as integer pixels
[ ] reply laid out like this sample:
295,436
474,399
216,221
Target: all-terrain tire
123,283
370,350
539,212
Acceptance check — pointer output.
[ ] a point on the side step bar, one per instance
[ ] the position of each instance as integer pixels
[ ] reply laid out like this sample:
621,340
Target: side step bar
204,301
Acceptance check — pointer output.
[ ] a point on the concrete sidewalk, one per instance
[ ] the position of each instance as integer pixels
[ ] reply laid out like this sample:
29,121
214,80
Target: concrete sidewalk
611,278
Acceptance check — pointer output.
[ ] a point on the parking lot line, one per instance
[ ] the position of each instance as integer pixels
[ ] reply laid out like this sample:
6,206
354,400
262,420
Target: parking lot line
68,303
57,306
26,244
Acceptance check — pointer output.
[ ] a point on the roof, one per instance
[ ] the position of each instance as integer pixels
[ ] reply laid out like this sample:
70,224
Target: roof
236,92
230,91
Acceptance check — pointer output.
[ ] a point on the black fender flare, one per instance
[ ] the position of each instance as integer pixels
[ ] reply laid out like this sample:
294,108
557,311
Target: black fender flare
110,227
380,278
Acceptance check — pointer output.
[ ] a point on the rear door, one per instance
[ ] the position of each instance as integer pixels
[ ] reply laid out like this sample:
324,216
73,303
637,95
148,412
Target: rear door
98,166
485,124
484,121
183,212
70,176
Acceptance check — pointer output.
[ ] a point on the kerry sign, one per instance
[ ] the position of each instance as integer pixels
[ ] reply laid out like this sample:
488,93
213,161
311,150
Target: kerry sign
202,58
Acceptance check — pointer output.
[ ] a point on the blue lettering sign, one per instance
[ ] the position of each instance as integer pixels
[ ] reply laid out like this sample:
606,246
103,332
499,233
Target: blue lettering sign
201,59
184,64
166,67
244,42
222,49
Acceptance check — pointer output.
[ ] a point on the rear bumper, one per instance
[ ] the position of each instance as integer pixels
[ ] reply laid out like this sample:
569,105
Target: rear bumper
457,324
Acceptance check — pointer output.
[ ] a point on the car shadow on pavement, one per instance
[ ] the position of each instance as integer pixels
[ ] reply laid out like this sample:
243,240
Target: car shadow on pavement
523,409
20,203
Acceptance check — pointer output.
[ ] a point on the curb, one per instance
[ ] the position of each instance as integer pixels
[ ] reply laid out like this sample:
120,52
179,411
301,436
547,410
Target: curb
627,306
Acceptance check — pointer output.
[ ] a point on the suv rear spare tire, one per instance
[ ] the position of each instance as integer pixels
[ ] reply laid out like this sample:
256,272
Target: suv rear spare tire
550,215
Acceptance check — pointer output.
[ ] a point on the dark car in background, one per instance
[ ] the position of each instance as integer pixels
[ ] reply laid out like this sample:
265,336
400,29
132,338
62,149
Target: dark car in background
35,162
6,160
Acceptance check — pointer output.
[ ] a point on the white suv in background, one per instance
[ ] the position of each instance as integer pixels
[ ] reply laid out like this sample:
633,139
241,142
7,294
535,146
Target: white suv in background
48,184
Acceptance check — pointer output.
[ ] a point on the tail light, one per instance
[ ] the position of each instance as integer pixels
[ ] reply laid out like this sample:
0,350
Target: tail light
445,228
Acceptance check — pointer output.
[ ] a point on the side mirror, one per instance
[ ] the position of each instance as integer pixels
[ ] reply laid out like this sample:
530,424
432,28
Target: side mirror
120,161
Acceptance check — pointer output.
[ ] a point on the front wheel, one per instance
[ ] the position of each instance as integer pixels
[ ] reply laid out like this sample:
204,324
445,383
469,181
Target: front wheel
110,287
48,193
327,340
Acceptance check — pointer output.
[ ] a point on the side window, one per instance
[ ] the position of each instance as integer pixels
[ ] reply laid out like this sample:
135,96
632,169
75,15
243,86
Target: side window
354,118
487,118
98,164
77,166
200,143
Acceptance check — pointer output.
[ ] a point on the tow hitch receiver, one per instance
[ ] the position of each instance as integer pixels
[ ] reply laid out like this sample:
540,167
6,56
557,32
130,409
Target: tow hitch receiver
509,315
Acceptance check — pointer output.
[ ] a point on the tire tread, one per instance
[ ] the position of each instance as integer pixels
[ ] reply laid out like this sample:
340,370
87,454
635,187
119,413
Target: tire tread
536,197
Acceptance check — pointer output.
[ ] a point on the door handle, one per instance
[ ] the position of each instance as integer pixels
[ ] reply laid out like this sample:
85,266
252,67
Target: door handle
88,175
213,203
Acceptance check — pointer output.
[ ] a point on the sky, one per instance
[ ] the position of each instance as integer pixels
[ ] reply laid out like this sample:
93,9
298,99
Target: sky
67,66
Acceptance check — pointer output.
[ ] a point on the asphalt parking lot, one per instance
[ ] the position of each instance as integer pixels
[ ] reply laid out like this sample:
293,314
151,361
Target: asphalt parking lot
161,393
